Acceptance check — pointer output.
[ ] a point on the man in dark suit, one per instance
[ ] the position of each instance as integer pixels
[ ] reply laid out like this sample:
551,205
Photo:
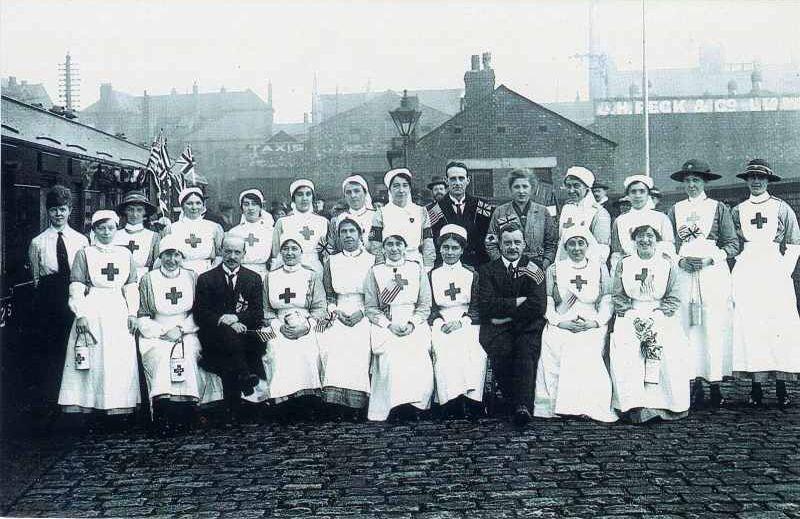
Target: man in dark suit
229,301
512,301
470,212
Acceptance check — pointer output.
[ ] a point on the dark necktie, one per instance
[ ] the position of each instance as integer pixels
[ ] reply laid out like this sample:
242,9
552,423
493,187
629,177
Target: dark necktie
229,291
61,256
511,271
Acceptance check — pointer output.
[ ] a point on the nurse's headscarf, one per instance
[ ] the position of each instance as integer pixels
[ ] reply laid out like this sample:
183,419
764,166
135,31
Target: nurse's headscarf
358,179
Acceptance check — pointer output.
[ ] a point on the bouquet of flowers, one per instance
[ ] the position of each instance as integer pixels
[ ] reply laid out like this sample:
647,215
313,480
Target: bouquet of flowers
650,348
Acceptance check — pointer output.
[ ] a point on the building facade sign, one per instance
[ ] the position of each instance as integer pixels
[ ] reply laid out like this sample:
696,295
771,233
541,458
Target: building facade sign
698,105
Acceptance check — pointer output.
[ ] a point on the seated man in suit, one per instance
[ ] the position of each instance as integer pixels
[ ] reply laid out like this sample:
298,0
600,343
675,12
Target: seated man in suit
512,301
229,301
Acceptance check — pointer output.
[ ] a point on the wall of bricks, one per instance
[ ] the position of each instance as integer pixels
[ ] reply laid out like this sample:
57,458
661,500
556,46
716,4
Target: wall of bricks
511,126
725,140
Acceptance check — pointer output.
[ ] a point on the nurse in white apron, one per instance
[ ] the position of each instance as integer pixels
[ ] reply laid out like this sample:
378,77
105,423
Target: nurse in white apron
294,302
649,353
642,212
256,230
572,378
203,238
143,243
344,337
459,362
766,323
402,217
705,240
582,210
397,297
359,208
104,296
310,230
169,345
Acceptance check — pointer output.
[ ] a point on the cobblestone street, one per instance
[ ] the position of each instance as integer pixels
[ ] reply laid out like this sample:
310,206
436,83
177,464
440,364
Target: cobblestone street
731,463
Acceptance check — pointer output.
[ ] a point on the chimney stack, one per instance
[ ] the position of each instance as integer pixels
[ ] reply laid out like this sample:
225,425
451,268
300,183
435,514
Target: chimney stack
478,84
476,62
195,89
105,92
756,79
269,93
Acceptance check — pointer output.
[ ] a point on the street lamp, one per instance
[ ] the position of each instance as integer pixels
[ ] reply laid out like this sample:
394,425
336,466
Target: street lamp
405,119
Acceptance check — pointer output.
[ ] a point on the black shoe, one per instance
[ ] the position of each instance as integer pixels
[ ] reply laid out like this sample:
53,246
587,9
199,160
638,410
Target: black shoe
717,400
247,381
521,416
756,396
698,396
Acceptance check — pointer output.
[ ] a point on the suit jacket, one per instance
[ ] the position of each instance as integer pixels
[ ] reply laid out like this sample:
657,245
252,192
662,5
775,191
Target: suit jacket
210,304
541,232
475,219
498,293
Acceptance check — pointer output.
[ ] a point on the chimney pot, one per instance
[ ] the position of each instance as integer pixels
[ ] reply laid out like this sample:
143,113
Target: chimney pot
476,62
305,117
487,61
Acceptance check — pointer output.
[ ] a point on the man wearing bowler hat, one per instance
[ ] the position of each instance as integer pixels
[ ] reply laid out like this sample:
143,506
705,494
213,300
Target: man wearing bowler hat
438,188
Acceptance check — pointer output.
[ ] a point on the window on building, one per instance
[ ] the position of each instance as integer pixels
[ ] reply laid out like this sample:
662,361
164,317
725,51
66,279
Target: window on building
501,129
457,129
482,183
542,128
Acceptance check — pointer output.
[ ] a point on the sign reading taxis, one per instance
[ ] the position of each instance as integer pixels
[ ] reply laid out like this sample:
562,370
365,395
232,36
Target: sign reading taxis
697,105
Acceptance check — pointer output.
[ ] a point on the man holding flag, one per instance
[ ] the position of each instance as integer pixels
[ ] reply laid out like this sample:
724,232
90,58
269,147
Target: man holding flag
467,211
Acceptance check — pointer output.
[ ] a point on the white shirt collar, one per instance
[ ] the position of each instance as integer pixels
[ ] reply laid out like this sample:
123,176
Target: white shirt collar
454,266
353,254
291,268
229,272
763,197
134,228
457,202
170,275
507,262
359,212
390,263
699,198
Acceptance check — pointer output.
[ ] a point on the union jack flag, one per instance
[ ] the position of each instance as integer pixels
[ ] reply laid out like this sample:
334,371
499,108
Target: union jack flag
689,233
502,221
158,166
187,168
484,208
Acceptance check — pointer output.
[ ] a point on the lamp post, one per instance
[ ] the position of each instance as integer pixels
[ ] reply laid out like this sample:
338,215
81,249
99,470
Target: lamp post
405,118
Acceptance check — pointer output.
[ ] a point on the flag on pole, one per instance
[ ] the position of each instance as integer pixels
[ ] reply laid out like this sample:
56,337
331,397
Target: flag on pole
158,166
187,168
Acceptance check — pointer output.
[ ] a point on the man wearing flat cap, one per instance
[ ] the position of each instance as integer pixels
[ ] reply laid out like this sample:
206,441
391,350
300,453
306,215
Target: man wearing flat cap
51,254
467,211
600,192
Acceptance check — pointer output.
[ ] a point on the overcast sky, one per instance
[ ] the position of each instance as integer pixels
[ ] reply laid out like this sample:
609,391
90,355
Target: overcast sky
158,45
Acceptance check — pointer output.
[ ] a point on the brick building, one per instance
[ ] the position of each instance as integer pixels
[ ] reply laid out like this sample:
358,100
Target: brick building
725,130
500,129
33,94
220,126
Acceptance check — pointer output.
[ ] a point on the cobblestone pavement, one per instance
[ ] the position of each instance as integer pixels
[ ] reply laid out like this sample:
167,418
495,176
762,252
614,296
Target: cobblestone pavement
730,463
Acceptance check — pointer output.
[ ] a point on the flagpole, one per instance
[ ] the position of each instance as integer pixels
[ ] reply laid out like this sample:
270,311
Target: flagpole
645,90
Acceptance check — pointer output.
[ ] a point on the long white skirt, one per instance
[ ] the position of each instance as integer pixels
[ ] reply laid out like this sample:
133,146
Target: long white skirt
711,342
199,385
628,365
292,366
766,324
345,355
111,384
402,372
572,378
459,363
